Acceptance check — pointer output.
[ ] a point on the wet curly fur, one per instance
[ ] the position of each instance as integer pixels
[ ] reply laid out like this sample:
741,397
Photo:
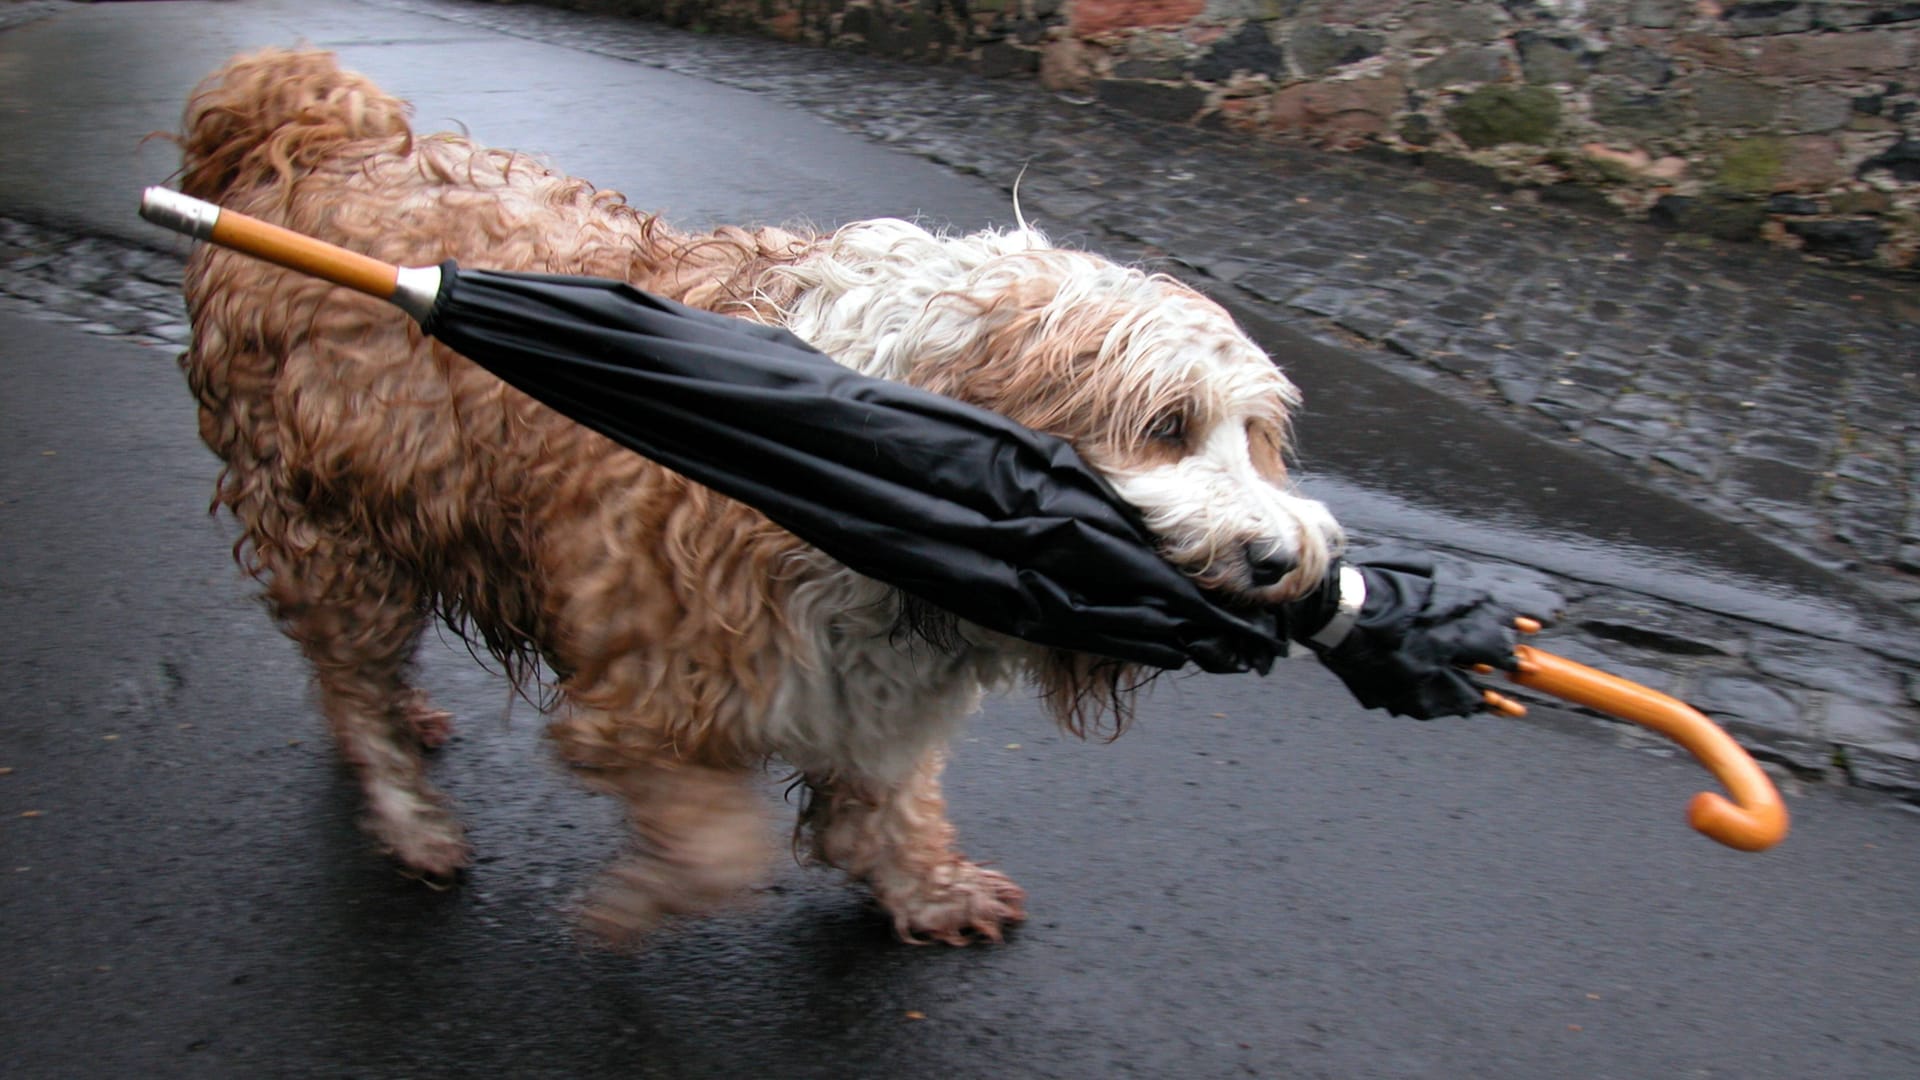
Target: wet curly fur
381,482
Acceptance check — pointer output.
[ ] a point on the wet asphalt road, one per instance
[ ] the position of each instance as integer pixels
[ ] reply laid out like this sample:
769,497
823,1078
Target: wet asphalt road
1259,880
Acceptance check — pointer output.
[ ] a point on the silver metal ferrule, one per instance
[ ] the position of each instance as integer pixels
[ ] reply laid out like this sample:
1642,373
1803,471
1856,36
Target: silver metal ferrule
1353,596
415,289
182,213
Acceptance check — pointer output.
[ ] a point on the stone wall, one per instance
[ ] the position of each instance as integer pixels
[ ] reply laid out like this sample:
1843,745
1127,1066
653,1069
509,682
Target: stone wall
1789,121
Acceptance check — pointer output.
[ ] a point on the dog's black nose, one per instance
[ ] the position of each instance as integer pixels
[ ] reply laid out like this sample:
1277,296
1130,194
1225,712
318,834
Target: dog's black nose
1267,566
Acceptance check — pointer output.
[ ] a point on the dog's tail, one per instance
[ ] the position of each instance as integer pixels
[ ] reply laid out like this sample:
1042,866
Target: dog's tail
267,117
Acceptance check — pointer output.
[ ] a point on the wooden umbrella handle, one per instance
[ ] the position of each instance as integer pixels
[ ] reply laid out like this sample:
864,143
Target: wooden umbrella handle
1755,819
282,247
412,288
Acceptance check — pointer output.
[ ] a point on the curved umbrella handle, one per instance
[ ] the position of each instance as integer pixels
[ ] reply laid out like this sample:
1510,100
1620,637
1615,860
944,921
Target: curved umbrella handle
1756,818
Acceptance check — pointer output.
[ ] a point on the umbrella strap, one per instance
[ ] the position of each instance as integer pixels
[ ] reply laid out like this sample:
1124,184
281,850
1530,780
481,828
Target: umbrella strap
1351,596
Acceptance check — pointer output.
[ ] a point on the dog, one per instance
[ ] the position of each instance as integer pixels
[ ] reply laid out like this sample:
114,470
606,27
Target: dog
381,482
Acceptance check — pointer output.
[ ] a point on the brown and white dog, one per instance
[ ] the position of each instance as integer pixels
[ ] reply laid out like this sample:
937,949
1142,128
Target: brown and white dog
381,481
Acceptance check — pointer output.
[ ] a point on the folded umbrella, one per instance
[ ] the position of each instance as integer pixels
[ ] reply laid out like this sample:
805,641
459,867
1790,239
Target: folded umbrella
956,505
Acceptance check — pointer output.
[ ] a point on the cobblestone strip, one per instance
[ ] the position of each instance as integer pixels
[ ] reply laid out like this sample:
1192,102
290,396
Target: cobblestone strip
106,286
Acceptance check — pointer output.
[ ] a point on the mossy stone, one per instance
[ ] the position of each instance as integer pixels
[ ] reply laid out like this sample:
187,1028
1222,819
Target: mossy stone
1606,170
1493,115
1750,166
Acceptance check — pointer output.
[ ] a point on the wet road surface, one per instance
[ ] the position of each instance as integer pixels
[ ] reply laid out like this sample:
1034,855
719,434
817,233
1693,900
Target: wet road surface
1259,880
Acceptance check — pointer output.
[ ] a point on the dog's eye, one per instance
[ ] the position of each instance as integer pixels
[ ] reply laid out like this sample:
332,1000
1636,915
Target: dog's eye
1168,428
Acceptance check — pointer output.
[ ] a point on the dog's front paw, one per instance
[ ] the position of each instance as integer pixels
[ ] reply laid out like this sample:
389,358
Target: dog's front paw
961,904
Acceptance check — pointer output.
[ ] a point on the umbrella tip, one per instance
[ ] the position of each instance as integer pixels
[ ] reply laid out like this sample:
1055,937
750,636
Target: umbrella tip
183,214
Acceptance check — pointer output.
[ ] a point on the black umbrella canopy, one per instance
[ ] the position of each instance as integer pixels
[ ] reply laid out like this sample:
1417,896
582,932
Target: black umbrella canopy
956,505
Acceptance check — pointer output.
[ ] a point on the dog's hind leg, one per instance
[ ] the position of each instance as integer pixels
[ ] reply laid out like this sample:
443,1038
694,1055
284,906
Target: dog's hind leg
898,840
358,617
703,840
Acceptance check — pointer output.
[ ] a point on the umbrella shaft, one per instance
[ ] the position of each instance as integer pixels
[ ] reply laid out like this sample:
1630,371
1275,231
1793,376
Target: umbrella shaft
305,254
